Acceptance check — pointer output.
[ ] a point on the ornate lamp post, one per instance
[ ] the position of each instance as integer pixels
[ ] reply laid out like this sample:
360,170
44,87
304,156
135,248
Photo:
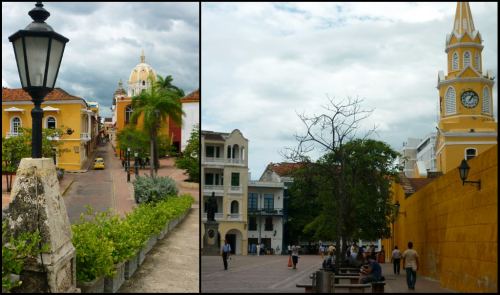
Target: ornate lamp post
38,50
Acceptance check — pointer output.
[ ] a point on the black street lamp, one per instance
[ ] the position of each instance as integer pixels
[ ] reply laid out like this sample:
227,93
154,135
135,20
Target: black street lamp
463,169
38,50
136,164
128,164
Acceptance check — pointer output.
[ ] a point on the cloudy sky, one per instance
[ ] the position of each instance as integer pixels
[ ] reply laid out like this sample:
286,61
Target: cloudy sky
262,63
105,44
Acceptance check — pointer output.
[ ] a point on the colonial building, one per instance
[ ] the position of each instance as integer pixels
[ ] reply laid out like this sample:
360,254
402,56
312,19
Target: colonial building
265,216
224,172
77,118
282,173
466,124
191,118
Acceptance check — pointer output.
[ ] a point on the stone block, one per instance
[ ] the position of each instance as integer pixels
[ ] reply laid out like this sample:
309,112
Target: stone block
131,266
113,283
95,286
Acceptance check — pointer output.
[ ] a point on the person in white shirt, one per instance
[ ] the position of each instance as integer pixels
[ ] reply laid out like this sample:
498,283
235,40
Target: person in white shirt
410,263
396,259
225,252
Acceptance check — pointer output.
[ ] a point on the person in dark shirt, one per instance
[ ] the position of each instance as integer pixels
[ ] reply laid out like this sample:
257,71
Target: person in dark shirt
372,272
329,262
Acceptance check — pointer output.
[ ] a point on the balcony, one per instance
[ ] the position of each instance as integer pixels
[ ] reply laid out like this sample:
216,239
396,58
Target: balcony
218,216
12,134
236,190
266,211
84,136
209,188
214,160
234,217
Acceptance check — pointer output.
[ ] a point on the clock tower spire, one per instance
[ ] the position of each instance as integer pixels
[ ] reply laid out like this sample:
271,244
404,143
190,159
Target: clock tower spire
466,125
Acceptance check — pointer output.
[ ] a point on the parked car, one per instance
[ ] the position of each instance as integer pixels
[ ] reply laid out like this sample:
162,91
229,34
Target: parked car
99,163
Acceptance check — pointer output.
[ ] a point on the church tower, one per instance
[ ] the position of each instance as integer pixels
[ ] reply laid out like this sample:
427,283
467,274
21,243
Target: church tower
466,125
141,77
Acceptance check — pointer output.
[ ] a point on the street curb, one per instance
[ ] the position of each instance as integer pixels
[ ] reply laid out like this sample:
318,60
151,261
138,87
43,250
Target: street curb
68,187
77,171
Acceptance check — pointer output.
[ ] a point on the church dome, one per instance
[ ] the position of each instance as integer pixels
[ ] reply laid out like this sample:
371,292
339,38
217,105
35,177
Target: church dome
141,72
139,77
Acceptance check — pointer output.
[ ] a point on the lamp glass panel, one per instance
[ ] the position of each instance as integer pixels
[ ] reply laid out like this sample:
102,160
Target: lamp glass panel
36,53
464,170
21,65
56,52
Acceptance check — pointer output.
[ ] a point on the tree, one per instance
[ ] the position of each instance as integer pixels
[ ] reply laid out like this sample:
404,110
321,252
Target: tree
190,158
135,139
156,105
350,181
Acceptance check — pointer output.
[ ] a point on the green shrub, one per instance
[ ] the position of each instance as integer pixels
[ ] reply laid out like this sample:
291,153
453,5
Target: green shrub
94,251
15,251
152,189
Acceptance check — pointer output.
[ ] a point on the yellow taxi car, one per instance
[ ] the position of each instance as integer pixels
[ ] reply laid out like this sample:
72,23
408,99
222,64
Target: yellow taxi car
99,163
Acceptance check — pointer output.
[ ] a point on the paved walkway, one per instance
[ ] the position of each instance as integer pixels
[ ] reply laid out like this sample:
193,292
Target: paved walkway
270,274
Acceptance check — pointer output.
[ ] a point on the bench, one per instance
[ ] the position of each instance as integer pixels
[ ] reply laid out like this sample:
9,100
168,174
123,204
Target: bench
378,287
354,288
354,278
308,288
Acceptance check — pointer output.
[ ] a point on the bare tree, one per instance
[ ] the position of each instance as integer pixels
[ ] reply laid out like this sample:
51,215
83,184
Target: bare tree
328,132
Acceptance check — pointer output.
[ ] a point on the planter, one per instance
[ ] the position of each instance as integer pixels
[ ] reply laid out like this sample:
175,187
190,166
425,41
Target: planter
172,224
163,232
151,243
141,256
131,266
113,283
95,286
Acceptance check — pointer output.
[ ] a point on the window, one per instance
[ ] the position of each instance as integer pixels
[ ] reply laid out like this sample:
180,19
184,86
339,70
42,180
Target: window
454,64
143,83
235,179
228,151
269,224
210,151
234,207
486,101
209,179
252,201
450,101
128,113
477,64
15,125
470,153
51,122
466,59
268,202
252,223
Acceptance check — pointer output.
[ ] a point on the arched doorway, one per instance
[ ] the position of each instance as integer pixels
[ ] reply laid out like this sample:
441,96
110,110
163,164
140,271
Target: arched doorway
234,238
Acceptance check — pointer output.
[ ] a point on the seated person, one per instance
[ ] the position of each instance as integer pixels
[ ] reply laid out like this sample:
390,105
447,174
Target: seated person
329,262
372,272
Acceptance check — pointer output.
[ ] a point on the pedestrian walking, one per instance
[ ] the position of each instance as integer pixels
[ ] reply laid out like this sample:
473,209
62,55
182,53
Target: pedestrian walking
322,252
396,260
289,250
410,263
295,256
225,252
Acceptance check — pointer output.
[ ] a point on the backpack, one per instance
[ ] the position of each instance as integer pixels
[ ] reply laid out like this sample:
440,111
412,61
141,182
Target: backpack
328,263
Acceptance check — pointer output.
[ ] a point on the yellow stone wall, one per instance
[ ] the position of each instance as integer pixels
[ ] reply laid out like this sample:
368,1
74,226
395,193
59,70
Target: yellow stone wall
453,227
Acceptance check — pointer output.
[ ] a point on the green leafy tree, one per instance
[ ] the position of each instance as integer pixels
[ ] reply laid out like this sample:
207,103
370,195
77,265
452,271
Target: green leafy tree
156,105
134,138
350,182
190,158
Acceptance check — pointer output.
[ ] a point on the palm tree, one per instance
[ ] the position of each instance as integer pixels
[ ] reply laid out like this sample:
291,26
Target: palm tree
166,83
156,105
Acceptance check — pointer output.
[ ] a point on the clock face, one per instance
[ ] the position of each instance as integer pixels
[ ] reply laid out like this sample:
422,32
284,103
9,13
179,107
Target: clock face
470,99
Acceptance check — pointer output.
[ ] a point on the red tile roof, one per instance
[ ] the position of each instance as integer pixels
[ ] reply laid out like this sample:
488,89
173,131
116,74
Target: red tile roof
412,185
18,94
192,97
284,169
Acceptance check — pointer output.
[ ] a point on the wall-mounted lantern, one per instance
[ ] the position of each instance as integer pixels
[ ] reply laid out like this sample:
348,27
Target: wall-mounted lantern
464,172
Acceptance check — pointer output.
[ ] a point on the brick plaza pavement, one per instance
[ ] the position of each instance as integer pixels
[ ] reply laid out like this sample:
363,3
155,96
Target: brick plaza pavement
269,273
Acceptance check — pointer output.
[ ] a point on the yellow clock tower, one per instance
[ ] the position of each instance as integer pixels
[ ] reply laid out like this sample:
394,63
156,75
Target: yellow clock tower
466,125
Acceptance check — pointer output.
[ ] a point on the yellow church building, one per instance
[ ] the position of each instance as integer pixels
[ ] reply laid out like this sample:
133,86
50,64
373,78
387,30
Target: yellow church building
77,117
466,125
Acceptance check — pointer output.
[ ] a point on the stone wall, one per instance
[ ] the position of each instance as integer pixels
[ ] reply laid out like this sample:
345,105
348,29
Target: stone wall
454,227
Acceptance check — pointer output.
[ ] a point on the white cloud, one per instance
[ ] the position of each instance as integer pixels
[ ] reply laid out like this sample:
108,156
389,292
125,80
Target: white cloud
264,62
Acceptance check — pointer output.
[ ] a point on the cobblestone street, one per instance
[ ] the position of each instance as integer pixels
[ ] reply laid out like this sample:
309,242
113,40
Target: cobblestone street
270,274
